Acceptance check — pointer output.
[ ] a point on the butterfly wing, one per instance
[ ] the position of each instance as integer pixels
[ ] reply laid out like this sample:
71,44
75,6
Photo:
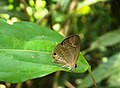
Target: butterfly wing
67,51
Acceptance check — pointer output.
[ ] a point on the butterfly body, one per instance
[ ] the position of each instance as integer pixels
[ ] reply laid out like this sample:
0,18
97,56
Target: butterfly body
67,52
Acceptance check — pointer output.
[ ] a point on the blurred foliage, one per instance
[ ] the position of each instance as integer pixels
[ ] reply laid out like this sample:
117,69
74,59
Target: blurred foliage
97,22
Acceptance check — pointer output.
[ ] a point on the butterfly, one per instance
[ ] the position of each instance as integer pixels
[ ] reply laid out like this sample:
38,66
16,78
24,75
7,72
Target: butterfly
67,52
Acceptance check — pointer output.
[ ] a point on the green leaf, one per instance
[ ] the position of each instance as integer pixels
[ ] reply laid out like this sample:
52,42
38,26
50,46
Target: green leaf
113,81
103,71
107,40
88,2
26,52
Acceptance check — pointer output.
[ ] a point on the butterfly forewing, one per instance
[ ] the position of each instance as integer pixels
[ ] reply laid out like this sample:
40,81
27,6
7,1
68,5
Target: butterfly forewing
67,51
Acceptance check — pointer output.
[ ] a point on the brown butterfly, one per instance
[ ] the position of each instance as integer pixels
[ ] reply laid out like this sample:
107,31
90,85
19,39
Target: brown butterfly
67,52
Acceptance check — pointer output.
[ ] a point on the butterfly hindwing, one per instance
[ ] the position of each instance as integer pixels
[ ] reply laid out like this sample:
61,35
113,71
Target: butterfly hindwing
67,51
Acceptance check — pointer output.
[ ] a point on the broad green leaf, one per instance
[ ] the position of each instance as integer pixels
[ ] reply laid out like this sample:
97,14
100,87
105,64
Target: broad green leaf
103,71
26,52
